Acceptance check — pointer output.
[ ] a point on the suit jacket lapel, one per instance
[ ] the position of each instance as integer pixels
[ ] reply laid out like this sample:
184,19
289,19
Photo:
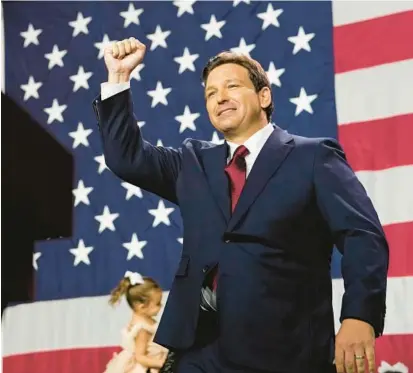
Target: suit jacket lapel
214,160
273,153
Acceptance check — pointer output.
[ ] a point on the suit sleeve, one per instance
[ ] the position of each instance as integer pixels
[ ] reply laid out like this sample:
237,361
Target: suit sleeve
128,155
357,233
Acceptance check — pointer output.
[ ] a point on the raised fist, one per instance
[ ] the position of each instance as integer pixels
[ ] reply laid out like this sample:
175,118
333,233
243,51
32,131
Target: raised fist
122,57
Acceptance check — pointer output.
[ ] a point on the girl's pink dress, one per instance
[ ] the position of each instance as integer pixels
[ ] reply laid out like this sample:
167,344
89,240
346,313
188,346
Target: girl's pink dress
124,362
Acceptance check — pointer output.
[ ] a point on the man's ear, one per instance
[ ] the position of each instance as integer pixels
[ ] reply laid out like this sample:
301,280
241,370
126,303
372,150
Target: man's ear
265,97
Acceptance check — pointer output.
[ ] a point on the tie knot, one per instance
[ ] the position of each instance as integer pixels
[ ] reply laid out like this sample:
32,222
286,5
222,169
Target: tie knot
238,159
241,152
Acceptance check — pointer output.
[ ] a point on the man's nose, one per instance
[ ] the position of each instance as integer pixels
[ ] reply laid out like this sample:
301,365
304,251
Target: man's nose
222,96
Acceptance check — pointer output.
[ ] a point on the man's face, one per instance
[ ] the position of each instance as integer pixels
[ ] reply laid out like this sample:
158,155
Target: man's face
231,100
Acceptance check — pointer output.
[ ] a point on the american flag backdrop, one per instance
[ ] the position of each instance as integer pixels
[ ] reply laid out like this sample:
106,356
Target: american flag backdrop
341,69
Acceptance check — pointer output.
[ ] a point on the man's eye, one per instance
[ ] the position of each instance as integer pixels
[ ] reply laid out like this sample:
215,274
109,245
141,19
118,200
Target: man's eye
232,85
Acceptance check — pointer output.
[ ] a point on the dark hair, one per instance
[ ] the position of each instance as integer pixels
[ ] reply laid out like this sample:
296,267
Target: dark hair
139,293
255,72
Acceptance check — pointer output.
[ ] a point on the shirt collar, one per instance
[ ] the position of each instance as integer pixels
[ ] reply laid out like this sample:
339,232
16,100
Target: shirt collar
255,143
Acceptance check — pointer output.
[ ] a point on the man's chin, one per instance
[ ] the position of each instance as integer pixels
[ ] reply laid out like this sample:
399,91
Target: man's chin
227,127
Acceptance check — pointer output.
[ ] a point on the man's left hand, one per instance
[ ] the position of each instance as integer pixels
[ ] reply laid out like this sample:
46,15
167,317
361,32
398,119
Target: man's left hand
355,347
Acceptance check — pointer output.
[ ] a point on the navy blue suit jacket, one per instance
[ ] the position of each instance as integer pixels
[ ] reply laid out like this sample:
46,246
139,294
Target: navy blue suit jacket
274,251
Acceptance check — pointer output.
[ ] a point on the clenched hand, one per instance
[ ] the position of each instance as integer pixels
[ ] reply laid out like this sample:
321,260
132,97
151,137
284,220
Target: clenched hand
122,57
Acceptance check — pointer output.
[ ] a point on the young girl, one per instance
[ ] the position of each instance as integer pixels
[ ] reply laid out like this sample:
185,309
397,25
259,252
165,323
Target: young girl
139,354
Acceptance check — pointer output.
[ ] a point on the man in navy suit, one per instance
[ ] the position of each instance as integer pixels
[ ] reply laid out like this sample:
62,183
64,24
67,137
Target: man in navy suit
261,214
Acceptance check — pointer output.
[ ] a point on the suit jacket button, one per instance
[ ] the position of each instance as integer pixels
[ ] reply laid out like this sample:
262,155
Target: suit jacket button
205,269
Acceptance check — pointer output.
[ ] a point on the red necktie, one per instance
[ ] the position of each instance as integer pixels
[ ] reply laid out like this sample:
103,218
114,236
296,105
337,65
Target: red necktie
236,171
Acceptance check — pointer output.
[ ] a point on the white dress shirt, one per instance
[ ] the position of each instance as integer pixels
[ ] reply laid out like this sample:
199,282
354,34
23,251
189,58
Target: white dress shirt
110,89
254,144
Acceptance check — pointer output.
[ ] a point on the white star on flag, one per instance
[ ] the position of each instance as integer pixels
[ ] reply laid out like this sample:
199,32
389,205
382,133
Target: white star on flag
274,74
243,48
34,260
158,38
270,17
81,79
55,57
31,36
136,73
131,15
55,112
213,28
81,253
81,193
161,214
102,45
132,190
80,136
134,247
30,89
301,40
216,139
236,2
159,95
303,102
102,164
106,220
159,142
80,24
187,120
186,61
140,123
398,367
180,240
184,6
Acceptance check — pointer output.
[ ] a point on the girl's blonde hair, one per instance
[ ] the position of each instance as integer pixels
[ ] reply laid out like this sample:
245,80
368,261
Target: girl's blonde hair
139,293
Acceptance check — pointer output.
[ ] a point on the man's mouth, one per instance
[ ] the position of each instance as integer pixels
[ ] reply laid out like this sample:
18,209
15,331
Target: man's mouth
226,111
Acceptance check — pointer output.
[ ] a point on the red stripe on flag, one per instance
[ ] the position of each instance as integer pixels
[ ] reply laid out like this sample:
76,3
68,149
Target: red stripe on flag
394,349
373,42
378,144
82,360
389,348
400,238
